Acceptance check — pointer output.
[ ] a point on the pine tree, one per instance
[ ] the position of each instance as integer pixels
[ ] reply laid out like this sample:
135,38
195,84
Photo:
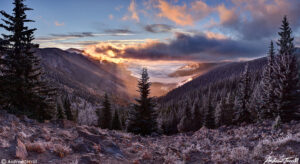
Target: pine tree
219,113
60,112
267,99
197,117
116,124
142,118
241,104
24,90
186,121
67,107
209,120
286,74
105,117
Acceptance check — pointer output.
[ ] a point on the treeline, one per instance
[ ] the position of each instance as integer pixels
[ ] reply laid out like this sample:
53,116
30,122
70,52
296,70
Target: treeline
252,96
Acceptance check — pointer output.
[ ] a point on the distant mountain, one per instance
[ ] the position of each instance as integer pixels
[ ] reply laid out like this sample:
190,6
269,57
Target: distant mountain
194,69
74,50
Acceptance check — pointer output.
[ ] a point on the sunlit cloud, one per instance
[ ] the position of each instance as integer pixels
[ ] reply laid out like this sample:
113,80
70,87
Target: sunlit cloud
58,24
133,14
175,13
208,47
111,17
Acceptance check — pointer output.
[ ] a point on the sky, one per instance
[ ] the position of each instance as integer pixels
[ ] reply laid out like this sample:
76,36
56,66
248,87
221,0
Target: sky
162,32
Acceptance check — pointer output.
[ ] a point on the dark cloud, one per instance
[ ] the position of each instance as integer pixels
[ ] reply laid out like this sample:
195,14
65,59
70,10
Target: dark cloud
197,47
119,31
264,20
75,35
157,28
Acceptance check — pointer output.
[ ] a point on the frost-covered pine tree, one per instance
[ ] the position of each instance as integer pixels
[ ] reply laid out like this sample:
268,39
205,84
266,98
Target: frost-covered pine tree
185,123
209,120
197,117
219,113
286,74
242,99
267,99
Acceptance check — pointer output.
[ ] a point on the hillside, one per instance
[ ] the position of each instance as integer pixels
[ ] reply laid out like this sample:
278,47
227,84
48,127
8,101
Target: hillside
83,76
219,73
66,142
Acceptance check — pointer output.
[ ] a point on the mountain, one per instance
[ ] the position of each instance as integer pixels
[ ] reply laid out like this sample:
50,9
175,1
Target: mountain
90,79
218,73
85,77
194,69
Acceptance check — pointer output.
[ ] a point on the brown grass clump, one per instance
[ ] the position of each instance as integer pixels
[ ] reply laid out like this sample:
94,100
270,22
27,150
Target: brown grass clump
36,147
61,150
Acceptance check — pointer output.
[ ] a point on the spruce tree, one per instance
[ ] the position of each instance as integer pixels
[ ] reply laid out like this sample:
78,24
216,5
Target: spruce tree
185,123
142,118
219,113
286,74
116,124
24,90
197,117
267,98
67,107
209,120
60,112
242,99
105,117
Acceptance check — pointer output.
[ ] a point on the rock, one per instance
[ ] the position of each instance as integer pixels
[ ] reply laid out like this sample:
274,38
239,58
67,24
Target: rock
21,151
89,136
66,124
88,159
82,148
112,149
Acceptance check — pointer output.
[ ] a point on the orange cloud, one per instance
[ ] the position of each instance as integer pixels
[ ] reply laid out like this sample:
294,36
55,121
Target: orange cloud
133,12
226,15
177,14
56,23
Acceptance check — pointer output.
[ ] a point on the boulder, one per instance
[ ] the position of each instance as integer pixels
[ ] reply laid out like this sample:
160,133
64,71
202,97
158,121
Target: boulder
88,159
89,136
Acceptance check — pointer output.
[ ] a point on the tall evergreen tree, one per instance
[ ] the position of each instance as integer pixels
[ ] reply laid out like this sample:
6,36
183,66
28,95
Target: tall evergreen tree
67,107
116,124
24,90
286,73
241,105
197,117
185,123
267,98
142,118
219,113
209,120
105,117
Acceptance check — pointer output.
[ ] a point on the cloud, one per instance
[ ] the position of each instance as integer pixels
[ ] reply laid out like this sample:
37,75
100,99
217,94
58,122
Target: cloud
182,15
175,13
119,31
58,24
111,17
133,12
184,47
259,19
157,28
